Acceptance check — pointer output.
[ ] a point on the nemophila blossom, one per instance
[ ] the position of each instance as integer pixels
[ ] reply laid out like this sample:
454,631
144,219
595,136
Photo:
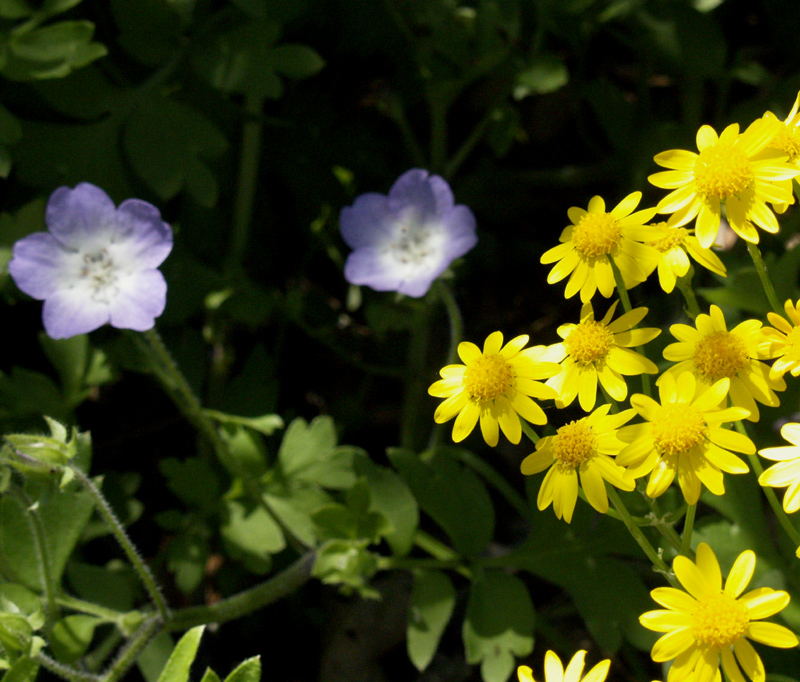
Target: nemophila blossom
97,264
675,245
782,340
581,450
599,350
683,436
710,352
786,473
709,625
495,386
596,237
554,670
402,242
737,169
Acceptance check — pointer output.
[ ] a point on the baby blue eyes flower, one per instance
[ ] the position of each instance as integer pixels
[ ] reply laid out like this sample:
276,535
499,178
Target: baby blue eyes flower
402,242
97,264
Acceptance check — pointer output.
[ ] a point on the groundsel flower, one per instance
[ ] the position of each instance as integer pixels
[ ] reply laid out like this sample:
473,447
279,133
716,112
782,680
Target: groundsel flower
495,386
554,669
709,625
675,245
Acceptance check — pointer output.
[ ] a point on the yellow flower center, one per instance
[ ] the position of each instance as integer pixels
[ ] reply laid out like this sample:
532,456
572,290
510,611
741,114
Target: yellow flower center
722,171
673,237
720,355
787,139
678,428
596,234
489,377
589,342
574,444
719,621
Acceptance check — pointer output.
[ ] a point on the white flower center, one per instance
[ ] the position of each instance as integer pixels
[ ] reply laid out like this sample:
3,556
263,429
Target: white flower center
100,275
411,244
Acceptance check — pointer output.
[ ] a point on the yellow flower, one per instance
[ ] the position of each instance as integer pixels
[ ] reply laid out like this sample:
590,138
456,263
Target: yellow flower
737,169
711,625
683,435
786,473
594,238
787,140
711,353
582,448
783,341
554,669
599,350
674,244
494,386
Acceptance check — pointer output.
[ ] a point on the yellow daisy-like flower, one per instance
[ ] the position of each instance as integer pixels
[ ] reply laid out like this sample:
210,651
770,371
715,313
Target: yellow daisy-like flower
786,473
675,245
584,448
737,169
708,625
787,140
494,386
683,436
601,351
594,238
554,669
782,340
711,353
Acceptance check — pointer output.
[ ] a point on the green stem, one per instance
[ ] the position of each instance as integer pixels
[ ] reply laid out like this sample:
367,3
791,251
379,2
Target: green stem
626,306
438,105
688,526
243,603
64,671
639,536
118,531
685,287
660,522
772,498
130,652
494,479
248,176
178,388
90,608
415,374
766,282
528,430
404,563
30,511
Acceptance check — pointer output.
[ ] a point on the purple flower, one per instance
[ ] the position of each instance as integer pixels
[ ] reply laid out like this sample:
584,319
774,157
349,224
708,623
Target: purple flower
404,241
96,264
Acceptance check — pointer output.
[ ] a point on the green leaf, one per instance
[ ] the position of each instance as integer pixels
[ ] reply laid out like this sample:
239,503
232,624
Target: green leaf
247,671
295,512
192,480
391,496
296,61
253,535
149,30
63,513
547,73
348,564
71,636
182,657
451,494
432,602
24,669
498,625
14,9
15,632
166,142
354,521
210,676
187,556
114,585
52,43
308,453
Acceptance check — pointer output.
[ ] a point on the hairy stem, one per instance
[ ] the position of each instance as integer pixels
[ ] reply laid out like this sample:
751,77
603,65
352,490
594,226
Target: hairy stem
766,282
